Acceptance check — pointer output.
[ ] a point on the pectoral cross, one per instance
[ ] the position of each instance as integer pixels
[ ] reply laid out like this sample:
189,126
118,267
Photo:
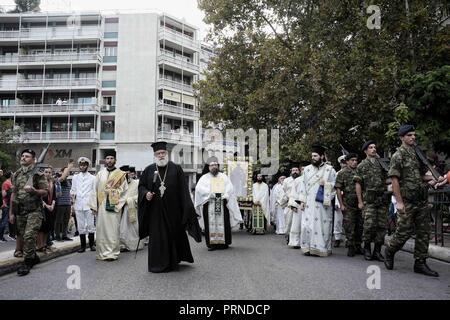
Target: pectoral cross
162,188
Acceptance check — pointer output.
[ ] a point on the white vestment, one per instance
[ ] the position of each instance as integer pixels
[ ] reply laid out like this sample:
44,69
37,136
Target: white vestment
296,221
108,222
317,218
81,190
129,227
203,191
261,195
276,211
338,219
288,184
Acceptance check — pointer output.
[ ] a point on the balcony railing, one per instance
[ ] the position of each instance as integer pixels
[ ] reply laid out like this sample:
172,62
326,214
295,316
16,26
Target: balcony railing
41,58
179,37
76,82
175,85
177,137
63,135
52,33
167,56
48,108
177,110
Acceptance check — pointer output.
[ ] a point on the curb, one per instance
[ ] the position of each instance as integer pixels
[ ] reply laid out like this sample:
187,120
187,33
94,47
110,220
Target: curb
13,264
435,252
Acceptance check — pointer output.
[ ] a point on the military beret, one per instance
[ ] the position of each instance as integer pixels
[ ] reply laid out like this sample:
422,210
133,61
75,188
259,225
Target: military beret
367,144
28,151
351,156
404,129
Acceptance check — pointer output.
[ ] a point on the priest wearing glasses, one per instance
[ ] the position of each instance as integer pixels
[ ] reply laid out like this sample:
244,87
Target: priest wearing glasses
166,212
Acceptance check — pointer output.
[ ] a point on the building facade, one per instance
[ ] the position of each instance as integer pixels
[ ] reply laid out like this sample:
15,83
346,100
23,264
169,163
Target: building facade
92,82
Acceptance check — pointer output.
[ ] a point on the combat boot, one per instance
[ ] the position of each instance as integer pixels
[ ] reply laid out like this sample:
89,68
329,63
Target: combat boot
389,259
351,251
377,253
83,243
91,242
420,266
367,251
359,250
337,243
27,265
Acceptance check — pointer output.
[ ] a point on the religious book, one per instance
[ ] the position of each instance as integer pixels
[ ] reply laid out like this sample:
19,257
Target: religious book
217,185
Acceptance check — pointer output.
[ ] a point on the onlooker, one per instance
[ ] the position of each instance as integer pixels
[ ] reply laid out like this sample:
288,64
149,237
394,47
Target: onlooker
63,205
6,197
48,224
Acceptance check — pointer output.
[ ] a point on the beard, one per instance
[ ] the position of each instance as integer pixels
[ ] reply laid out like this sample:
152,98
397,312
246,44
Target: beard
163,162
214,172
316,163
295,175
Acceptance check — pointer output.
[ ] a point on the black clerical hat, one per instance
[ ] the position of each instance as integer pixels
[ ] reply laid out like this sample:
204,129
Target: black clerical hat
29,151
160,145
125,168
367,144
110,153
317,148
133,169
404,129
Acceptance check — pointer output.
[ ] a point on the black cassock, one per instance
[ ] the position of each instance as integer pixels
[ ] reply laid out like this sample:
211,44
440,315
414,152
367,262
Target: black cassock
166,219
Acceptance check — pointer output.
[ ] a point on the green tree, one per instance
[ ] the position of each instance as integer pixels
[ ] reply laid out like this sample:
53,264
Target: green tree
9,143
314,70
27,6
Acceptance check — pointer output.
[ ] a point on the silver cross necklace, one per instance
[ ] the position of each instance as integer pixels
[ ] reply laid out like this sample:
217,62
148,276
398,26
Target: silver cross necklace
163,188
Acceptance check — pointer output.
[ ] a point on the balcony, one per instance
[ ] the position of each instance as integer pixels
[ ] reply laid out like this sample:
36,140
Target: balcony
52,58
178,38
64,136
52,33
73,108
178,61
51,84
179,111
175,85
175,138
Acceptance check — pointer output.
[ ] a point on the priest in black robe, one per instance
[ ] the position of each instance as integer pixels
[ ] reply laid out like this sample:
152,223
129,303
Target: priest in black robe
166,212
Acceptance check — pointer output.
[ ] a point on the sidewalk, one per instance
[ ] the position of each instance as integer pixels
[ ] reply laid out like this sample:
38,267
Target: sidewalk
434,251
9,263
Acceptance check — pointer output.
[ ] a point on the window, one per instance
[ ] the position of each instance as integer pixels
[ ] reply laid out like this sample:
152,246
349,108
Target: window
85,124
110,51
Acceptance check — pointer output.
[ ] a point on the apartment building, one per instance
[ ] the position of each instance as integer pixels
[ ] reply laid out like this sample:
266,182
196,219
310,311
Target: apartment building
92,81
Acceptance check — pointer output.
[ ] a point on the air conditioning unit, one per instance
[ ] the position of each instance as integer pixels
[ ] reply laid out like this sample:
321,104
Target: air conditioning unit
106,108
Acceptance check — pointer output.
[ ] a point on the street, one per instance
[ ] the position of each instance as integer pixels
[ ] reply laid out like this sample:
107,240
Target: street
255,267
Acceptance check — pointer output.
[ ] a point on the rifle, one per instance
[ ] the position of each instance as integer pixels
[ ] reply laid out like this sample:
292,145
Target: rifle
37,166
425,161
382,163
344,151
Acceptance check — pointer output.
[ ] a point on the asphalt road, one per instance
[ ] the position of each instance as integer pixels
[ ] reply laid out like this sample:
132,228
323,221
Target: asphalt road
255,267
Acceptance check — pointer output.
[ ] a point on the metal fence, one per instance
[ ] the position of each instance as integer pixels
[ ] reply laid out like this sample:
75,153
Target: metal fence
440,214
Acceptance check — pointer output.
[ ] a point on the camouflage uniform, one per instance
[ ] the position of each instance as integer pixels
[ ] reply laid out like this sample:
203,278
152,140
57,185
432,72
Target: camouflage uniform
353,222
372,178
409,170
28,208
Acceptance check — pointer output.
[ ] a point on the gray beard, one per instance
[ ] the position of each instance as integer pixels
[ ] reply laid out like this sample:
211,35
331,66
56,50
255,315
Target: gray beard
162,163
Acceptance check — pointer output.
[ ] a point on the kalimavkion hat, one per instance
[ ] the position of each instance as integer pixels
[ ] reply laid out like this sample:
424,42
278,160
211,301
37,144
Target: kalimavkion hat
160,145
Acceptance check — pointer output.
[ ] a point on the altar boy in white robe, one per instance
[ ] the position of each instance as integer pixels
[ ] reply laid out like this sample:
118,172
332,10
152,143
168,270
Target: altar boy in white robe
217,206
316,192
261,206
276,210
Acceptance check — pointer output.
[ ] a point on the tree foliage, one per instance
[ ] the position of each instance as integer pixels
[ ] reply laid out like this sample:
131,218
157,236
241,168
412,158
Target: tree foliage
27,6
9,143
314,70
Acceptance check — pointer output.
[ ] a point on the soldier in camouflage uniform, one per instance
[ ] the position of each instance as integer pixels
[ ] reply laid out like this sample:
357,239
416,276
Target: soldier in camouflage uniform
373,199
26,207
410,191
346,193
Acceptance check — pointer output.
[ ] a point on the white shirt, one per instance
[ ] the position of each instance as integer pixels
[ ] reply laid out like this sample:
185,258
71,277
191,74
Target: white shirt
82,187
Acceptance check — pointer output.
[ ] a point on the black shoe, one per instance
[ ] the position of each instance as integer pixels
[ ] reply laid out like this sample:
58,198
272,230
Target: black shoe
307,254
76,234
58,239
83,243
93,248
66,239
359,250
124,250
211,248
388,259
420,266
351,251
81,250
376,255
367,251
337,243
23,270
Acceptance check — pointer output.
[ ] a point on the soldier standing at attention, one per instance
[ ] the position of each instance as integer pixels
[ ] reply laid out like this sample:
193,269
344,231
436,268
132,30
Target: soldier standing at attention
373,199
27,201
409,184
